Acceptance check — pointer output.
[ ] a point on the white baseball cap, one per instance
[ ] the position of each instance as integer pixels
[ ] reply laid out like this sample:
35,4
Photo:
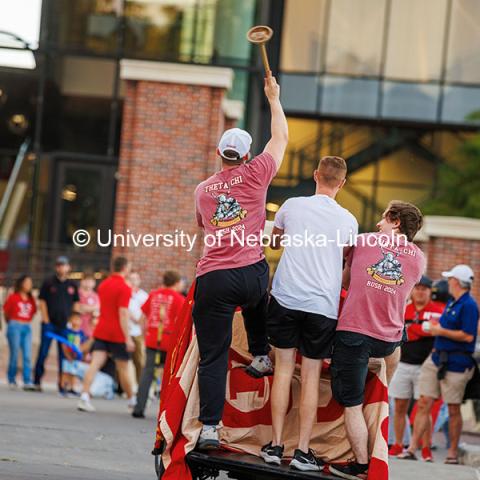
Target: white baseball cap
237,140
461,272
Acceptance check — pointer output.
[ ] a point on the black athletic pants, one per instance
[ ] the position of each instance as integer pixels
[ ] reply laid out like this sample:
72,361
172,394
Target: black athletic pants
217,295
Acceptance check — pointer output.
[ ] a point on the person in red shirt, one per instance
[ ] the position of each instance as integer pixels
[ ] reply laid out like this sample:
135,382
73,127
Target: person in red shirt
404,385
111,336
160,310
19,309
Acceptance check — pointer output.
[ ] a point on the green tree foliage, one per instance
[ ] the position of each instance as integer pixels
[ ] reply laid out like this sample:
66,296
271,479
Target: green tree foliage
458,191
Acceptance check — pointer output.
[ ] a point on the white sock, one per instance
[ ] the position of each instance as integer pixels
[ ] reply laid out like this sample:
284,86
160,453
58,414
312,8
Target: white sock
85,396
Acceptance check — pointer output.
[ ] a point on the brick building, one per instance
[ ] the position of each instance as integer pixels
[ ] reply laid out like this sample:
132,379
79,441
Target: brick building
173,116
448,241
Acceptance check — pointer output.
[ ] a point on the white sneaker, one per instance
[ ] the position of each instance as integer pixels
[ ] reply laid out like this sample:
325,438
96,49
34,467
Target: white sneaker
208,439
85,406
260,367
132,401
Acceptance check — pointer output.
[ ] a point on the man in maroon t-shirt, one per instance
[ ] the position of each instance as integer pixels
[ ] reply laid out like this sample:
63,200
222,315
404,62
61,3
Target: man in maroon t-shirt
230,207
381,271
111,335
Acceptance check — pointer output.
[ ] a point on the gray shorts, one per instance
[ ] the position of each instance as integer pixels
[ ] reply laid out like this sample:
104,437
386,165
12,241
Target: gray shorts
404,384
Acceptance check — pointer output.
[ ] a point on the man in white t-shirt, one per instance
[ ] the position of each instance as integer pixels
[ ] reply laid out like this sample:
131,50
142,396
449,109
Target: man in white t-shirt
303,309
139,297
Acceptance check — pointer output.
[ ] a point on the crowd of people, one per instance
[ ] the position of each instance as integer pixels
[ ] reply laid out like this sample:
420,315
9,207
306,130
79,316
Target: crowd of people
101,334
387,312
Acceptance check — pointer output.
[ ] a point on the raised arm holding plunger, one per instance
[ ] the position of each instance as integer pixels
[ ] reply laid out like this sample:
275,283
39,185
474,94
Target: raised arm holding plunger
260,35
233,200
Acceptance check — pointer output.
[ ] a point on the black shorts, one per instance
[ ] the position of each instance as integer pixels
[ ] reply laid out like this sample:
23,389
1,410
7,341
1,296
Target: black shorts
311,334
118,351
349,368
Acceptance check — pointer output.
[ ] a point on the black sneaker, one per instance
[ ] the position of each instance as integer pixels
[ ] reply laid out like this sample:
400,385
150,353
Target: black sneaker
306,462
351,471
138,414
272,454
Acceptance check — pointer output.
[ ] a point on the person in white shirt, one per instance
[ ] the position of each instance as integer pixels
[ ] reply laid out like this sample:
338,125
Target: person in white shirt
305,296
139,297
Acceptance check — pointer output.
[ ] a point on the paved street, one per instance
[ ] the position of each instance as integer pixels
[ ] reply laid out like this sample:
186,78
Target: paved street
42,436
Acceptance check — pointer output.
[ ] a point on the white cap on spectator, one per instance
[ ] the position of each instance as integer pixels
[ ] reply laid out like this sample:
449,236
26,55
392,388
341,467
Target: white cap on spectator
236,140
461,272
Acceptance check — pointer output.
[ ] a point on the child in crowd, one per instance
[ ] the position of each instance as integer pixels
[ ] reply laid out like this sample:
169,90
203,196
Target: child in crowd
89,304
71,362
19,309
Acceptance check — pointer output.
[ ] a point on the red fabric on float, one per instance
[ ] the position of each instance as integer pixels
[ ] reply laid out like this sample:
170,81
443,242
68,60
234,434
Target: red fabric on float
247,418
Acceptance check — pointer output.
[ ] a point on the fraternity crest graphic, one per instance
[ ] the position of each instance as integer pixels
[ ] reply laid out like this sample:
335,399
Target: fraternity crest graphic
388,270
228,211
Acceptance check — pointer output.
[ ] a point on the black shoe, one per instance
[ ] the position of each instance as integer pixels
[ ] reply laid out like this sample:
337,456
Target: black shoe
138,414
272,454
351,471
306,462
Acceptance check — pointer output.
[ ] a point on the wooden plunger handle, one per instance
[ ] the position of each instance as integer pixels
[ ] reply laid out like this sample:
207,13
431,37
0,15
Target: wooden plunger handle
266,63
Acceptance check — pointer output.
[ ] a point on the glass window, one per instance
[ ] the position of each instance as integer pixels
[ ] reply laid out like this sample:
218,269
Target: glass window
355,36
459,103
299,92
154,29
410,101
14,223
21,29
349,96
78,96
197,31
80,192
90,25
303,36
13,19
232,21
18,90
415,40
463,62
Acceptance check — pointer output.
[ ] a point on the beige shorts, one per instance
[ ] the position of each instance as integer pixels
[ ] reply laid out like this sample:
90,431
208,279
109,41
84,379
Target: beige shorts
451,388
404,384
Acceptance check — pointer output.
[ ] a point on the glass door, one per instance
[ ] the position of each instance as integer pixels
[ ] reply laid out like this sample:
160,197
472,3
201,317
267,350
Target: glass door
83,199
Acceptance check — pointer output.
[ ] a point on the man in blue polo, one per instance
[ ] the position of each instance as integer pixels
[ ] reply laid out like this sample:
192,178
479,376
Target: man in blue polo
449,368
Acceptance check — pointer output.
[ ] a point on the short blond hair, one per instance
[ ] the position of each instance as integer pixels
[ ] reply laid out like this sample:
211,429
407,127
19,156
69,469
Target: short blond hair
331,170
